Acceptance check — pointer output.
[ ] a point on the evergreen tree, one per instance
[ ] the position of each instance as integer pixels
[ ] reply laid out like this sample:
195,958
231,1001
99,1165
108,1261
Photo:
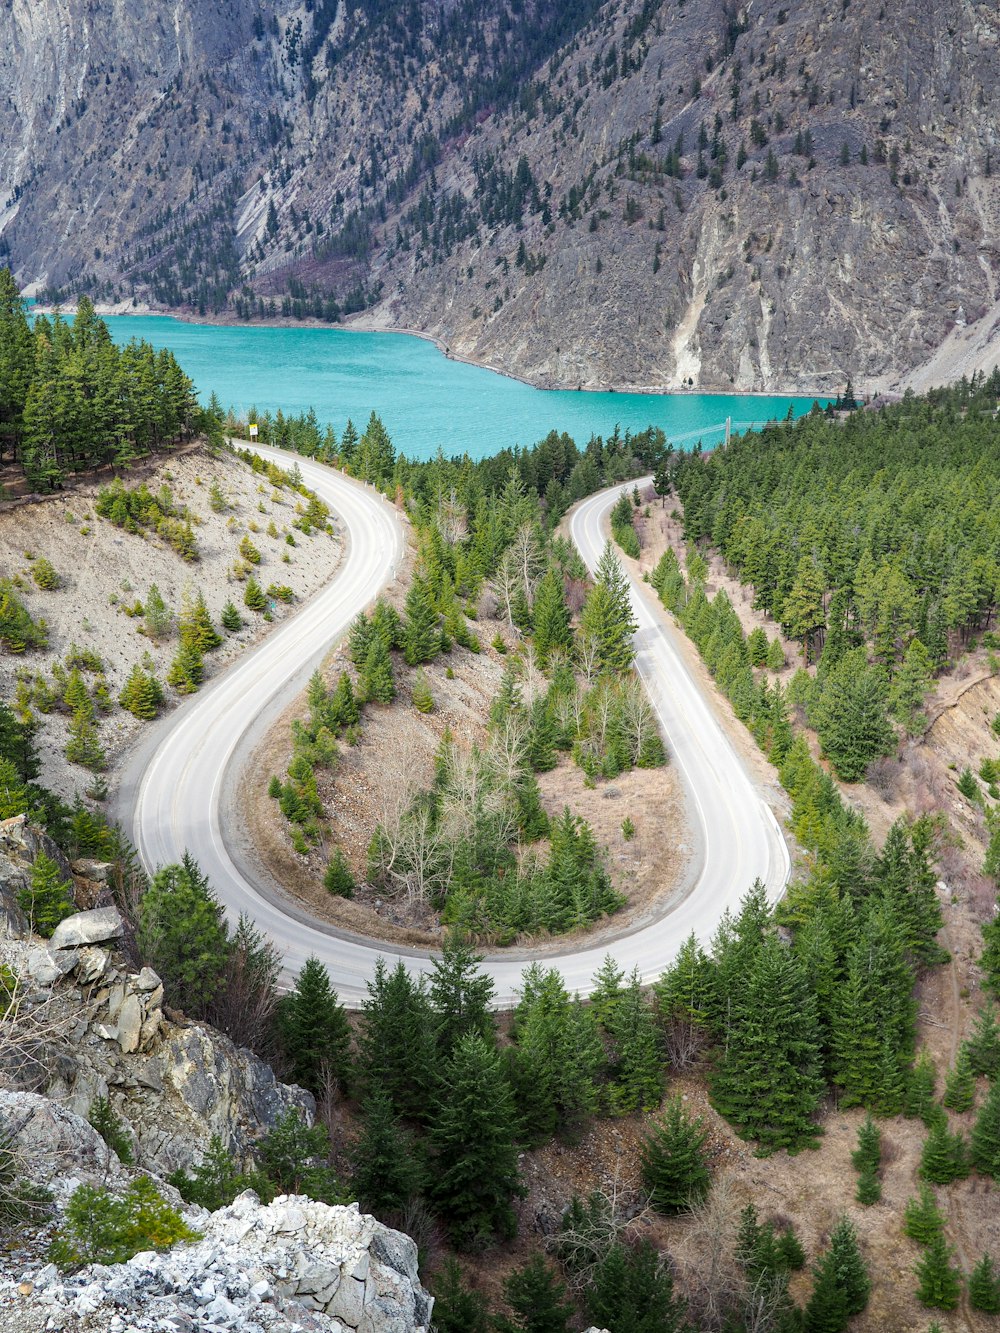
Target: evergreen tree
421,629
867,1158
315,1035
461,997
940,1284
254,598
841,1284
456,1308
376,683
558,1059
142,694
231,618
551,618
195,626
983,1047
537,1300
922,1219
918,1098
337,878
636,1072
159,618
674,1170
945,1155
607,618
802,612
851,721
631,1291
960,1083
986,1134
420,694
396,1045
387,1174
187,670
910,688
768,1082
984,1287
182,935
48,899
473,1135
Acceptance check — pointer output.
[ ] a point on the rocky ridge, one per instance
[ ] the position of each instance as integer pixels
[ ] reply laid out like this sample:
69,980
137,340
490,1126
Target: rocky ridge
709,194
80,1025
95,1028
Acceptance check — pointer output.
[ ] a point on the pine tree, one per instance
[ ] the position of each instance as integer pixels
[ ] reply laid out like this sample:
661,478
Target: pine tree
636,1073
420,693
254,598
674,1170
142,694
377,684
159,618
387,1174
103,1118
910,687
231,618
396,1044
841,1286
47,900
960,1083
551,618
187,670
940,1284
984,1287
315,1035
922,1219
986,1134
768,1082
851,716
867,1158
84,745
343,707
461,997
337,878
195,626
537,1299
983,1046
918,1098
802,610
632,1291
456,1309
607,617
559,1057
421,630
473,1134
182,934
945,1155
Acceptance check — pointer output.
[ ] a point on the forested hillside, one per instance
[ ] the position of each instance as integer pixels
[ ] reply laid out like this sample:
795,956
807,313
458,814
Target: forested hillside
707,193
71,401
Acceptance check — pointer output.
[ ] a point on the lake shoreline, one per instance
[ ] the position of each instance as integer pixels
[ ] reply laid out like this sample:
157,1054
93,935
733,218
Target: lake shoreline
372,326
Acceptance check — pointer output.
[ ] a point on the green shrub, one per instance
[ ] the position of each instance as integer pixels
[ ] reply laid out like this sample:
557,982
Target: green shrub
338,879
45,576
969,787
102,1229
112,1131
281,592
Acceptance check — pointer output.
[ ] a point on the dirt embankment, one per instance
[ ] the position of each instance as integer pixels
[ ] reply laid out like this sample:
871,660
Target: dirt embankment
103,570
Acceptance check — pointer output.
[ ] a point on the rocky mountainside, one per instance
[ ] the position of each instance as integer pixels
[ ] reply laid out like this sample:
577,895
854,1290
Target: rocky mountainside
653,192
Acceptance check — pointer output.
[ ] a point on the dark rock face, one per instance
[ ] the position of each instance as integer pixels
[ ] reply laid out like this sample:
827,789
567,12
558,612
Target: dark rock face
707,194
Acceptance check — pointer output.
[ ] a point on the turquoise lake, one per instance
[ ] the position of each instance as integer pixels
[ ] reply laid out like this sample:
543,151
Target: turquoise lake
426,400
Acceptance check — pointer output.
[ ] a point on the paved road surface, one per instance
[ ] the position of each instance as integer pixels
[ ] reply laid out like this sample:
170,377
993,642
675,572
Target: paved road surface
174,793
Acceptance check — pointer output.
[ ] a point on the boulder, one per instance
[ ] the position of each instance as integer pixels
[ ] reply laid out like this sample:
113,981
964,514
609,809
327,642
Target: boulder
46,966
95,927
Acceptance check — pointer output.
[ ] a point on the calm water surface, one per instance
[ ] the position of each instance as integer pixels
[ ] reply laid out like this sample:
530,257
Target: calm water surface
425,400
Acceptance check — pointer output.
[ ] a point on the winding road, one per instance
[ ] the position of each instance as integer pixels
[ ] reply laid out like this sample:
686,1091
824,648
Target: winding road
174,793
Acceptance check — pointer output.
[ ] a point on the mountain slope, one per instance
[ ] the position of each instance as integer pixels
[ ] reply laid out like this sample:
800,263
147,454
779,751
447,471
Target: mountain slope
648,193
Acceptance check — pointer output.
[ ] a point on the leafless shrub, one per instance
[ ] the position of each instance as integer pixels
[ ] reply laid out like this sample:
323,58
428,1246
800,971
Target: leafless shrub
33,1026
683,1041
882,775
890,1150
982,894
596,1228
576,595
711,1276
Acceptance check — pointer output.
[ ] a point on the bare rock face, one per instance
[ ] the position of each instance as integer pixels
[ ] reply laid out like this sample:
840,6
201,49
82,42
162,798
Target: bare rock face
85,1026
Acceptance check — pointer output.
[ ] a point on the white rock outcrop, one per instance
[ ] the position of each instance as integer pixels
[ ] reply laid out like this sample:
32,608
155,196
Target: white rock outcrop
289,1265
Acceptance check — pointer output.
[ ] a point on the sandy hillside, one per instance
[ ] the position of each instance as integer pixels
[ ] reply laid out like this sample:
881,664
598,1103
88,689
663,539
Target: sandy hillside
104,569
